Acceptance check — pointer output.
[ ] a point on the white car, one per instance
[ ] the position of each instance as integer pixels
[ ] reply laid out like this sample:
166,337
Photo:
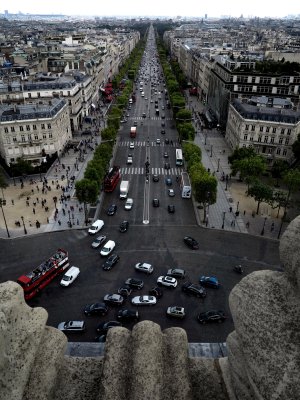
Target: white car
107,248
128,204
167,281
144,267
72,326
176,312
70,276
96,227
129,159
143,300
171,192
131,146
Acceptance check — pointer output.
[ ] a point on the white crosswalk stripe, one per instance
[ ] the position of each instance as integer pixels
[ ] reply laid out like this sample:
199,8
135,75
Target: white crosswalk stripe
156,171
144,143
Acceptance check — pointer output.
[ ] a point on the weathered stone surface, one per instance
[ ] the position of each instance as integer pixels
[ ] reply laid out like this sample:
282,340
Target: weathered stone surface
264,351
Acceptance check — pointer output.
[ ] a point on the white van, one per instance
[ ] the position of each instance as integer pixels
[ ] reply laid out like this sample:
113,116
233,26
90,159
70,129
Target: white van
107,248
70,276
142,94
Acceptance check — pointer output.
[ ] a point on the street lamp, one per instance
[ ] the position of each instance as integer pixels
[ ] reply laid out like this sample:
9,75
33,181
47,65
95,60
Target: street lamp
263,228
205,137
70,223
25,230
211,147
237,206
226,179
223,219
218,165
2,203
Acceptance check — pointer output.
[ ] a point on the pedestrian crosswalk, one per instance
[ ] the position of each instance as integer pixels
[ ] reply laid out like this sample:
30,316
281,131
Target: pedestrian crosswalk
145,143
153,118
153,171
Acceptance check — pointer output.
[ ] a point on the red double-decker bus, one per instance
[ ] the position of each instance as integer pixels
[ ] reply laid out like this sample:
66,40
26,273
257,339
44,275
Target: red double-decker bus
41,276
111,179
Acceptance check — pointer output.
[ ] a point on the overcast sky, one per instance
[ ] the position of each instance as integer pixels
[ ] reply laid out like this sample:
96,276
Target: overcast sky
195,8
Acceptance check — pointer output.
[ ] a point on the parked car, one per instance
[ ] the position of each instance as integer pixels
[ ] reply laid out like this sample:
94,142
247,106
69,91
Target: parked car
177,273
167,281
124,225
143,300
70,275
125,290
96,309
110,262
98,241
134,283
106,325
128,203
72,326
127,315
111,209
209,281
96,227
191,242
144,267
155,202
108,248
195,290
155,178
171,208
114,299
211,316
156,292
176,312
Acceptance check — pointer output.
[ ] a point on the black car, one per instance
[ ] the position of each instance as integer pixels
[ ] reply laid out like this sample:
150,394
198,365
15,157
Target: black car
128,315
195,290
167,165
96,309
144,115
134,283
167,141
168,181
110,262
124,225
105,326
101,338
163,124
155,178
155,202
112,209
162,131
156,292
171,208
211,316
190,242
114,299
163,116
177,273
125,290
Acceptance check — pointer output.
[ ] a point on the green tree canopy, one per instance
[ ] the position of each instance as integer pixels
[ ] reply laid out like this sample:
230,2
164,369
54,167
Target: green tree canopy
279,168
86,191
261,193
296,147
241,153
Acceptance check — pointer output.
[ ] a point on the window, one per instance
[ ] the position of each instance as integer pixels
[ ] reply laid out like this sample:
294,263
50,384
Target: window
259,139
49,126
21,128
50,135
27,127
274,130
12,129
44,136
34,127
251,139
267,129
252,127
282,131
280,140
23,138
14,139
289,131
36,137
43,126
261,129
247,128
29,95
278,151
5,130
287,141
284,152
272,139
266,139
245,137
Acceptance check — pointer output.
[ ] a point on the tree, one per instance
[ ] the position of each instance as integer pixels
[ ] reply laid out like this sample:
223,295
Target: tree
296,147
241,153
184,115
186,131
249,168
278,169
292,181
3,183
261,193
86,192
22,167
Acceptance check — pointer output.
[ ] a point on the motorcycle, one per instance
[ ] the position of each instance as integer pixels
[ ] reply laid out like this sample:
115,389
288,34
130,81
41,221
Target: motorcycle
238,269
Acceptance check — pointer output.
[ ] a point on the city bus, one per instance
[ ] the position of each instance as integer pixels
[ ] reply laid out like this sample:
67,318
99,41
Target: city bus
179,158
185,186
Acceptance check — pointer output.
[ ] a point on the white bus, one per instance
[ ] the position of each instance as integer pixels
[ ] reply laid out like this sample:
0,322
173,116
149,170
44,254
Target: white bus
185,186
179,158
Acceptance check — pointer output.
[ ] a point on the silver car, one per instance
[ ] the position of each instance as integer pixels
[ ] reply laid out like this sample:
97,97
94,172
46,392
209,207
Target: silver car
167,281
143,300
98,241
144,267
72,326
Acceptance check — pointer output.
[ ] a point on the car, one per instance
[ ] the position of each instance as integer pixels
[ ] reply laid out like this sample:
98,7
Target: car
123,120
151,101
125,290
144,267
176,312
124,225
211,316
128,203
129,159
143,300
177,273
106,325
101,338
155,178
134,283
195,290
209,281
163,116
191,242
157,141
71,326
111,209
131,145
155,202
162,107
127,315
166,155
96,309
70,275
98,241
96,227
167,141
135,123
167,281
107,248
110,262
156,291
163,124
171,208
144,115
114,299
162,131
171,192
168,181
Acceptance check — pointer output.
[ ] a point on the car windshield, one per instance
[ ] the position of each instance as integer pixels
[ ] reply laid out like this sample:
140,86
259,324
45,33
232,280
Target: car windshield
66,278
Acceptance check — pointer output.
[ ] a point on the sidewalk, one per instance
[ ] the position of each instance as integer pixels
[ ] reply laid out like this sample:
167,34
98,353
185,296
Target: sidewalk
231,195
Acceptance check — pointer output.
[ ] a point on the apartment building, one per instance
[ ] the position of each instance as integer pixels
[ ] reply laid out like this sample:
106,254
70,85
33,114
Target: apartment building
34,132
269,125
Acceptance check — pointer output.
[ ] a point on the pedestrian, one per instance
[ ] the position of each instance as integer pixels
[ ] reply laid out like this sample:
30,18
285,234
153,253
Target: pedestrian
77,221
12,202
244,212
230,209
47,220
59,222
33,210
247,224
37,199
272,227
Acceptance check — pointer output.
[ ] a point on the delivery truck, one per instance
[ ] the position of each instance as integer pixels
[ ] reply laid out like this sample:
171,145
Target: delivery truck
124,187
133,132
